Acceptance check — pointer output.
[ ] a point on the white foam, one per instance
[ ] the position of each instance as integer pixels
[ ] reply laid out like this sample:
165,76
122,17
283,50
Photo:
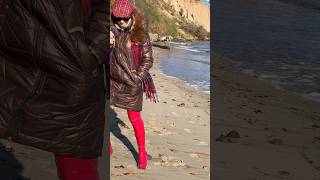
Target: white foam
197,86
168,75
178,43
313,95
268,76
187,48
305,80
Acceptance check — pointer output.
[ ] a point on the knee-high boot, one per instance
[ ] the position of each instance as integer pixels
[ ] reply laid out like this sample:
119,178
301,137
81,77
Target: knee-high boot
139,132
110,150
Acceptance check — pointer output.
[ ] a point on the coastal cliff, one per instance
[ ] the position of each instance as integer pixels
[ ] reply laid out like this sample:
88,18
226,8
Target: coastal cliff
181,19
192,10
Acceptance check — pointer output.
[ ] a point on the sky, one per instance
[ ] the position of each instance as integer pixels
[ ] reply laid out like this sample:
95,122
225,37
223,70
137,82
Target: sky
206,1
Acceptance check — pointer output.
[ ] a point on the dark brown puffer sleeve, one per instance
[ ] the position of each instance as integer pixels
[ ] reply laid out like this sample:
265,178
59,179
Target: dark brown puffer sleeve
147,60
97,33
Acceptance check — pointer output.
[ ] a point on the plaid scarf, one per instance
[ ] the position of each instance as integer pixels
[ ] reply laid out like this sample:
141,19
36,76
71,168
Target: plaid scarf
148,84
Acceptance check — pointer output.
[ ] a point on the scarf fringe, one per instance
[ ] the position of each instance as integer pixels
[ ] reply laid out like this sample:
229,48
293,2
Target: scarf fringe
150,89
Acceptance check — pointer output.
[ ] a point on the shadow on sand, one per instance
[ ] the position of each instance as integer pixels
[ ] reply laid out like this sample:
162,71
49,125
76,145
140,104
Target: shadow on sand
116,131
10,167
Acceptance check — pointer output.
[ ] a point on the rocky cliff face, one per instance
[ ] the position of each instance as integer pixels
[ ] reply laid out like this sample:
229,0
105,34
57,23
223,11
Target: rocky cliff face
192,10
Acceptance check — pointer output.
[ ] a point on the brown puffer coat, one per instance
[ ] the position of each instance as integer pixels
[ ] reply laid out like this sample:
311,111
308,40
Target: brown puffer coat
51,79
125,75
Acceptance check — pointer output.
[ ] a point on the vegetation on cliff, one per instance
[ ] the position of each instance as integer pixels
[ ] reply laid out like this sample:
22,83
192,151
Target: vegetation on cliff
164,20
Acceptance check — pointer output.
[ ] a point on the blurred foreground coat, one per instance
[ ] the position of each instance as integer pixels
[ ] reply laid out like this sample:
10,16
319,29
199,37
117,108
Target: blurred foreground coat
51,77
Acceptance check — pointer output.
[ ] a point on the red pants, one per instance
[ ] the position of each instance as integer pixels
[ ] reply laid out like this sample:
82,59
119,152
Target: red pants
71,168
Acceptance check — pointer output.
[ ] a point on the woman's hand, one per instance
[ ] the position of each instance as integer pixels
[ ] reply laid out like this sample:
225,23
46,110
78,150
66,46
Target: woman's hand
136,77
112,39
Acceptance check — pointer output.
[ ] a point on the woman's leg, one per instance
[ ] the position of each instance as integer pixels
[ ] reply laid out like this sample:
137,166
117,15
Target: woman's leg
110,150
139,132
71,168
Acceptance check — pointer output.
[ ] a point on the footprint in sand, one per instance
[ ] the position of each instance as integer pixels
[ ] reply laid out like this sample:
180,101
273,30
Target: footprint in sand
172,124
179,163
168,133
174,113
199,154
205,167
194,155
202,143
153,114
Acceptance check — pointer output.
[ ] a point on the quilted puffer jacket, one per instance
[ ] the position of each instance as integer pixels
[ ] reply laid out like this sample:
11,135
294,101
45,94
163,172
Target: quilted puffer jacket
51,74
126,74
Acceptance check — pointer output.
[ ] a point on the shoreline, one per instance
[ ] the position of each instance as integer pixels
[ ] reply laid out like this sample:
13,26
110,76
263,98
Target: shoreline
306,96
169,50
162,53
260,132
234,65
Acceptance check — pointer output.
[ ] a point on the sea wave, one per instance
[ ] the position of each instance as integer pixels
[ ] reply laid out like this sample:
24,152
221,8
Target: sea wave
187,49
313,95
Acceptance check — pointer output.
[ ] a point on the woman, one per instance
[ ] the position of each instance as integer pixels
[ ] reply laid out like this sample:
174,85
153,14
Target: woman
51,80
129,66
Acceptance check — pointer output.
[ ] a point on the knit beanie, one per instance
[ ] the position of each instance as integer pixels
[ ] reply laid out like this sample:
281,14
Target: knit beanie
122,8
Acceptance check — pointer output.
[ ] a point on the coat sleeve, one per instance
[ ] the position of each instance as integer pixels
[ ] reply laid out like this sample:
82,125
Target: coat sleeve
97,33
147,60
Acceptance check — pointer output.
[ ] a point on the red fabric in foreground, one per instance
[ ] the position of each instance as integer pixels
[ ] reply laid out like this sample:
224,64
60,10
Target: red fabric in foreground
71,168
87,4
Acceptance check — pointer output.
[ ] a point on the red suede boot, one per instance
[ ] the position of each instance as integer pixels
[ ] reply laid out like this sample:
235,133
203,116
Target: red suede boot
71,168
110,150
138,127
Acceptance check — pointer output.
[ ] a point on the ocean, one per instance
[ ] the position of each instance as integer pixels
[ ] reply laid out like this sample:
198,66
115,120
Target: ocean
277,40
189,62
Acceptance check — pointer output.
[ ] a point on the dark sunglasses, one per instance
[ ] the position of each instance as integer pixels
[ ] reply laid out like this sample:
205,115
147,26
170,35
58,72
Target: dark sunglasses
124,19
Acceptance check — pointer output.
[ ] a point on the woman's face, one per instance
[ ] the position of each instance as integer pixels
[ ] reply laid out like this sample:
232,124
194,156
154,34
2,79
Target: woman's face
122,22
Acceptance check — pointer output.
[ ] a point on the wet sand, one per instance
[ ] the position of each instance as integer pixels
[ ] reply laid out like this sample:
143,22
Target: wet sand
260,132
177,133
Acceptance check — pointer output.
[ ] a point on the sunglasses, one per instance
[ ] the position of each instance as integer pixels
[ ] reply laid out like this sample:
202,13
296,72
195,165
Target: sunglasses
118,19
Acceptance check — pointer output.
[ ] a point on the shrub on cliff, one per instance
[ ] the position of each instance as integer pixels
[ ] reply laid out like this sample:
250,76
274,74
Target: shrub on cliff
157,21
195,30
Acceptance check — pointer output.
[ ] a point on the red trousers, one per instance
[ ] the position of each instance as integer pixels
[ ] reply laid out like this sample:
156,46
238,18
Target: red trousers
71,168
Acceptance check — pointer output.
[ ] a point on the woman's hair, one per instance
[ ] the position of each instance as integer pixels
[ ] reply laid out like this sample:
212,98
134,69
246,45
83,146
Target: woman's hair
140,29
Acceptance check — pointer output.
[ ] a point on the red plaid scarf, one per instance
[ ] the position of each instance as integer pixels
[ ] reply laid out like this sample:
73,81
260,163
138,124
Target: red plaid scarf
148,84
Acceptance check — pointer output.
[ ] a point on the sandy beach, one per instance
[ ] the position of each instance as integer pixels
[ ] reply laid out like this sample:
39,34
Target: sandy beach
177,133
177,138
259,132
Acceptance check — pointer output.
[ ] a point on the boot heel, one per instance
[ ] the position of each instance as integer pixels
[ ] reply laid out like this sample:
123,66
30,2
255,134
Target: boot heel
143,160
